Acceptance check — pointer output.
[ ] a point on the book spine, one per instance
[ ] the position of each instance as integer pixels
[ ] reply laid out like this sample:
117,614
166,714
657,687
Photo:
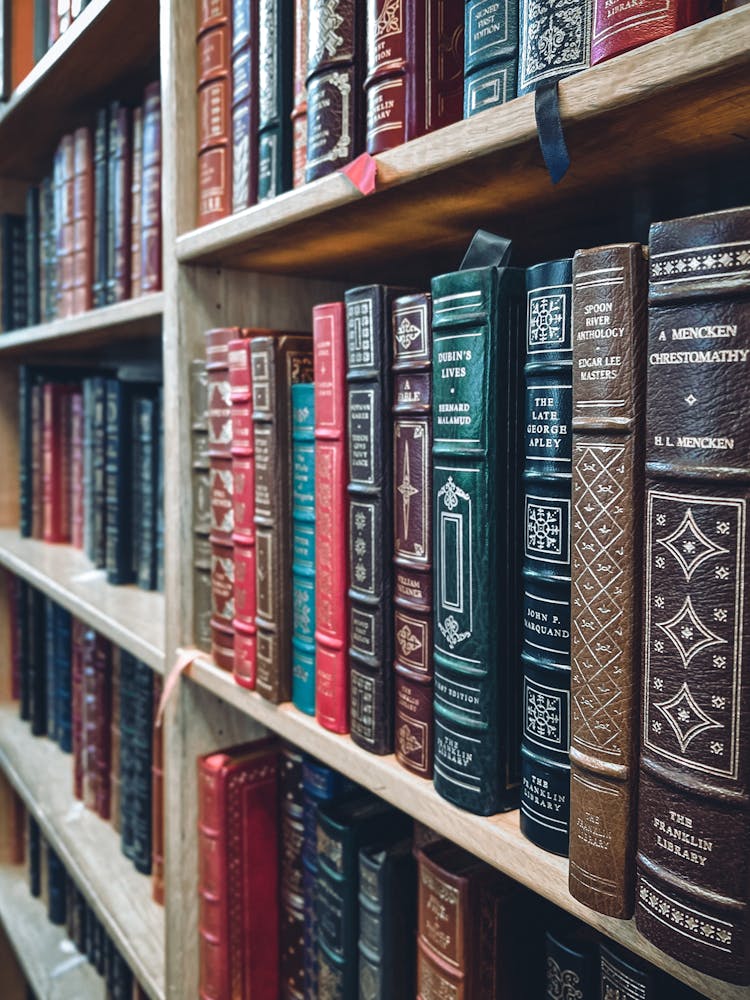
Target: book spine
119,195
159,543
17,599
243,501
275,65
141,748
77,489
303,547
331,510
25,450
36,412
201,493
49,257
692,885
335,99
83,220
151,191
34,862
56,498
244,99
56,888
77,653
117,488
292,875
387,921
545,583
443,910
609,334
571,51
101,722
145,485
213,877
490,54
412,524
214,108
50,680
615,30
278,363
101,214
98,470
88,721
33,311
118,816
61,651
625,976
41,28
299,93
571,964
336,913
66,230
477,405
157,799
136,206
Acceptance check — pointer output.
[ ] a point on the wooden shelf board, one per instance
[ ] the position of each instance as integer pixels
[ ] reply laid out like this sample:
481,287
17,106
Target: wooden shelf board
684,95
50,961
110,43
88,847
97,327
128,616
497,839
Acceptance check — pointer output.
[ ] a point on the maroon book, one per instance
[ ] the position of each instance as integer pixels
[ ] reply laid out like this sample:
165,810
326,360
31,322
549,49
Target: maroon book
120,194
157,802
136,207
37,469
56,463
299,92
214,109
619,27
66,226
76,470
96,722
78,652
151,191
83,219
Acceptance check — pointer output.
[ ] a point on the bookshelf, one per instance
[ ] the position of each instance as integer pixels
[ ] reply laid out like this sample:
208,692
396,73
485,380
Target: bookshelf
680,99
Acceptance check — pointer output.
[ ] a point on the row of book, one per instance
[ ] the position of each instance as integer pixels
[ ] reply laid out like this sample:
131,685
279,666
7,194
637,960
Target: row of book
91,233
338,894
22,842
408,524
98,703
291,90
91,467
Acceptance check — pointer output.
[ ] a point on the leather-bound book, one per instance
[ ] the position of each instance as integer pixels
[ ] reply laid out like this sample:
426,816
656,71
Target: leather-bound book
201,493
116,767
101,207
387,921
616,30
466,927
50,678
299,92
151,191
219,411
343,828
490,54
335,72
118,488
477,399
159,542
76,470
238,858
693,883
48,250
77,654
13,294
136,206
412,526
96,722
243,503
136,733
13,817
36,423
414,81
279,362
66,228
609,345
56,462
18,598
55,888
572,960
33,257
33,847
545,583
370,450
119,193
157,799
98,470
25,382
61,625
83,219
623,975
143,510
244,98
292,930
554,41
214,108
275,65
303,547
331,509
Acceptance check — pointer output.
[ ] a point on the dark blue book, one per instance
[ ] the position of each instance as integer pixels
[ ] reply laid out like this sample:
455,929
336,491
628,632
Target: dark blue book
35,857
36,662
50,668
13,297
118,486
61,652
33,314
303,547
56,888
136,736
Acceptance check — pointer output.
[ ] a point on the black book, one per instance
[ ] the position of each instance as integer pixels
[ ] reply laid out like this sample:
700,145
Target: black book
101,207
48,250
33,313
13,312
275,63
160,490
25,377
136,744
35,857
61,651
118,489
56,888
22,646
35,662
145,450
572,960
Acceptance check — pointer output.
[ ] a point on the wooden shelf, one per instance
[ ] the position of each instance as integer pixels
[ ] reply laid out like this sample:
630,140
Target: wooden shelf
497,839
111,44
681,96
88,847
128,616
50,961
95,328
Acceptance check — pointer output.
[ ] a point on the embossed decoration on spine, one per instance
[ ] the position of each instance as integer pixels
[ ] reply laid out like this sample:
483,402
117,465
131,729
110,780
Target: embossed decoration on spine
555,40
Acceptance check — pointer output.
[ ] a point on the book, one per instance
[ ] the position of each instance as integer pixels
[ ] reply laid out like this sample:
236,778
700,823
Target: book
278,362
96,722
116,769
303,546
214,107
412,526
201,497
145,462
292,928
299,93
118,493
370,489
50,680
77,485
41,28
554,41
335,71
47,250
414,56
238,852
693,809
56,444
545,581
65,225
626,975
275,56
572,960
615,31
151,191
33,257
59,624
157,798
83,219
136,206
119,194
98,438
490,54
101,208
13,293
56,894
609,344
331,510
77,655
477,399
245,103
136,732
21,43
25,379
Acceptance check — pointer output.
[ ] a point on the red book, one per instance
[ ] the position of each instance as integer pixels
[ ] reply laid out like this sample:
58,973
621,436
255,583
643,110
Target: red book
21,41
331,518
96,722
78,653
157,802
136,207
620,27
56,450
37,461
83,219
299,108
214,109
151,191
76,472
120,195
238,880
243,502
66,230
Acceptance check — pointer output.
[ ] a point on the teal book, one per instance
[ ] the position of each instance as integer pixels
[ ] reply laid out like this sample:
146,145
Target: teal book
477,370
303,547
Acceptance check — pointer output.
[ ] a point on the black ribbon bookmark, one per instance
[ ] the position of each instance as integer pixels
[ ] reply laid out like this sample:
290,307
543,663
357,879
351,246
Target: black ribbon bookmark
550,131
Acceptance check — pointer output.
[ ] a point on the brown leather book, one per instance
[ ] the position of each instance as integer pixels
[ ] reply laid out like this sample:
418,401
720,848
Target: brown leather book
114,753
466,927
135,205
693,868
157,801
12,824
299,93
277,363
214,109
83,219
119,193
412,527
609,346
21,41
65,232
151,191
